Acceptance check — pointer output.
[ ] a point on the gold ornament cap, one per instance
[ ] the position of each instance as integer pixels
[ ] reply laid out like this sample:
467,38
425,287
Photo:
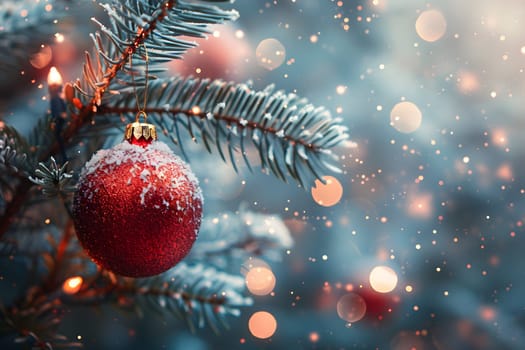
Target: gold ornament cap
137,131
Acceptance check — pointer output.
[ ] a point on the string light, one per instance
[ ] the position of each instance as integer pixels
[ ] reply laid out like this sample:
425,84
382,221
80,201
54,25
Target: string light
72,285
54,78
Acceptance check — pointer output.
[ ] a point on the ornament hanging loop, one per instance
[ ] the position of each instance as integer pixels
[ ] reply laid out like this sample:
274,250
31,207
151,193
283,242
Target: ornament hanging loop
141,113
140,108
137,133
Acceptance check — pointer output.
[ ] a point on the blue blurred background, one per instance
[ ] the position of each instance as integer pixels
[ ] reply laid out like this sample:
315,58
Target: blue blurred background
440,205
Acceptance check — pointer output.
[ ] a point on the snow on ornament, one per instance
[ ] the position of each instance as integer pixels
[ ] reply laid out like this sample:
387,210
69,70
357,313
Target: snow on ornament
138,206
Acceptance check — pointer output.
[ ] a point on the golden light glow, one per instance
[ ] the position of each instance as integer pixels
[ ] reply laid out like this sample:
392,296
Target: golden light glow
340,89
505,172
431,25
420,205
487,313
54,78
328,194
383,279
72,285
262,324
59,38
405,117
314,337
351,307
260,281
379,4
468,82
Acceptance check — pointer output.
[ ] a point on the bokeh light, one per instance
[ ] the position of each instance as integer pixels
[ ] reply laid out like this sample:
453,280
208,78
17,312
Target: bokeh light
468,82
72,285
42,58
314,337
383,279
408,341
262,324
327,194
420,205
431,25
405,117
351,307
270,53
225,54
260,281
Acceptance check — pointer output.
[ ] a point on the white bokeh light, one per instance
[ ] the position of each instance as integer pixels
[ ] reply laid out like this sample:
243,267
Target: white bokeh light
383,279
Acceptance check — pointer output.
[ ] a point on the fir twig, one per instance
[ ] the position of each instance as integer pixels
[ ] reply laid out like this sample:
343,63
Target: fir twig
24,163
134,24
102,77
292,137
14,151
36,323
196,294
15,164
54,179
239,236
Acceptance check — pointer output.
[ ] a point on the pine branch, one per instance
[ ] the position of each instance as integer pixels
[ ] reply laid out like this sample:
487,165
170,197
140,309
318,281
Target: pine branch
54,180
135,25
14,151
111,58
293,138
197,294
36,324
239,236
15,165
21,158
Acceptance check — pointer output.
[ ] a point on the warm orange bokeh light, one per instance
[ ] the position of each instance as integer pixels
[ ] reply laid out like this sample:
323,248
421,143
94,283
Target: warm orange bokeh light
54,78
420,205
487,313
468,82
262,324
72,285
405,117
314,337
42,58
260,281
431,25
328,194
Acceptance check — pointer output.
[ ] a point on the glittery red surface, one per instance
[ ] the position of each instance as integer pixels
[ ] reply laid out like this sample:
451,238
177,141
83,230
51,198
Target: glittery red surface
140,215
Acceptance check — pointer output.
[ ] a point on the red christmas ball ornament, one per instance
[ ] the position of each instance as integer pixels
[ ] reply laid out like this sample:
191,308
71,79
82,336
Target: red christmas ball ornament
138,206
